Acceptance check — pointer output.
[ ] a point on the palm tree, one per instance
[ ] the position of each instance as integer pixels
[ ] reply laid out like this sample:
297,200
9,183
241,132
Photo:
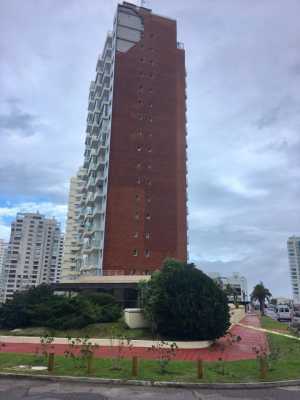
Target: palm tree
260,293
232,292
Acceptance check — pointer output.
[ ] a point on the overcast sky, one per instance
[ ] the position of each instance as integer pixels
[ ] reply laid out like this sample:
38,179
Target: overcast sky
243,83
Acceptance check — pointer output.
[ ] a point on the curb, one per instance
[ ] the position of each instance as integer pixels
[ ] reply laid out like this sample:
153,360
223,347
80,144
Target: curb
120,382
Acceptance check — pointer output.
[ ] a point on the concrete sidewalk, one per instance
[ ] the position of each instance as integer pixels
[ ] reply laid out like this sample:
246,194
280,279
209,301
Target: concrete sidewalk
256,328
107,342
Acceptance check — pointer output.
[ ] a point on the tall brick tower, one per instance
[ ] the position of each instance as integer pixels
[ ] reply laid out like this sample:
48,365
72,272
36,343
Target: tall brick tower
133,207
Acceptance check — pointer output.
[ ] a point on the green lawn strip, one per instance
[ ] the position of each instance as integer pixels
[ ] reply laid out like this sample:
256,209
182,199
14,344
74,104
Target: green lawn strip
182,371
269,323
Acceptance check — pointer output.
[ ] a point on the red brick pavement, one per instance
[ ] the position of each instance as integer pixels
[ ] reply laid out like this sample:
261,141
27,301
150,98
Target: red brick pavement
242,350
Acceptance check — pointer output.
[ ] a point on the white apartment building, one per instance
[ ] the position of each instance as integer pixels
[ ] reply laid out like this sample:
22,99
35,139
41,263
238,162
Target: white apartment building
97,146
293,247
34,253
236,281
3,255
96,157
71,251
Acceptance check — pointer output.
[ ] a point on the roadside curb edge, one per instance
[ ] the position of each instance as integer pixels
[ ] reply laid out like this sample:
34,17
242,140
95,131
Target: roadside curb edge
132,382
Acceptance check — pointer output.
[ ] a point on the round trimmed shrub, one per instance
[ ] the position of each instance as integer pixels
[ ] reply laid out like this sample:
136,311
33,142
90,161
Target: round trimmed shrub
185,304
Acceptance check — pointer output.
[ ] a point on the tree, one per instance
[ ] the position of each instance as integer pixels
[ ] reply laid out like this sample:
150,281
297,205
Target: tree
232,292
261,294
184,303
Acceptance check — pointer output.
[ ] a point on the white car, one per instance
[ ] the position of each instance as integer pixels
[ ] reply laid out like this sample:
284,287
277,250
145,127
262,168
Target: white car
283,313
296,314
270,312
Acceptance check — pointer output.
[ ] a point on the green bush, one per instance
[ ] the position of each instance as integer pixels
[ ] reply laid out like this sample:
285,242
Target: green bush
40,307
183,303
100,298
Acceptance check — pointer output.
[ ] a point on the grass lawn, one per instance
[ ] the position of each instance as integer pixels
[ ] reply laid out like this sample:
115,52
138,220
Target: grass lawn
286,365
101,330
269,323
184,371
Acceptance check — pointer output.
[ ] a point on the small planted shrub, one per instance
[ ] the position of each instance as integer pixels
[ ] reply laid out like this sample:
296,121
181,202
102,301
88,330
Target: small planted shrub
81,351
262,358
46,345
164,352
119,346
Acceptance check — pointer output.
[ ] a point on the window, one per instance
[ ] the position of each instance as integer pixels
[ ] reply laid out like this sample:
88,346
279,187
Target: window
139,148
137,197
149,149
147,253
148,217
135,252
137,216
138,165
147,235
138,181
136,235
149,183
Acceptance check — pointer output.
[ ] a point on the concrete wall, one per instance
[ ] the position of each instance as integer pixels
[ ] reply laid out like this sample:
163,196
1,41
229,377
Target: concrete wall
134,318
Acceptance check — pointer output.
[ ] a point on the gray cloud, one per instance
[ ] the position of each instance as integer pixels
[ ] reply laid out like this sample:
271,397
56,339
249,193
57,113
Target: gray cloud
17,121
30,181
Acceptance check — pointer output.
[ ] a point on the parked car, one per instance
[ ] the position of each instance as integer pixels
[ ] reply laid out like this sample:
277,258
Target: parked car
295,315
271,312
283,312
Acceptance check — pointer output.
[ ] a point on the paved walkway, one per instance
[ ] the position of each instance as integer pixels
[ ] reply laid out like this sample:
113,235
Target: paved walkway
274,332
242,350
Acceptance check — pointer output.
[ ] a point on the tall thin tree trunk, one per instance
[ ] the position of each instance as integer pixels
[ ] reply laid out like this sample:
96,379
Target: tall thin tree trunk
261,304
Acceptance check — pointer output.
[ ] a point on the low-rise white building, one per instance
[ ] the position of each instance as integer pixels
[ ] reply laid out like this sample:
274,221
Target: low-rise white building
236,281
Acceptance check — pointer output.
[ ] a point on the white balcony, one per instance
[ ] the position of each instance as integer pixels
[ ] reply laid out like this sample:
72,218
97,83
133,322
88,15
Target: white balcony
92,167
91,182
89,198
99,209
99,193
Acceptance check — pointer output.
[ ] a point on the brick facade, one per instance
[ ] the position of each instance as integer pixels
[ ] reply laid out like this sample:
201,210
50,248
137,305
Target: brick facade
146,200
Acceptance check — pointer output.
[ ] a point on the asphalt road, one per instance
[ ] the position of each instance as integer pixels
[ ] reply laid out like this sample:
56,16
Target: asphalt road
15,389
